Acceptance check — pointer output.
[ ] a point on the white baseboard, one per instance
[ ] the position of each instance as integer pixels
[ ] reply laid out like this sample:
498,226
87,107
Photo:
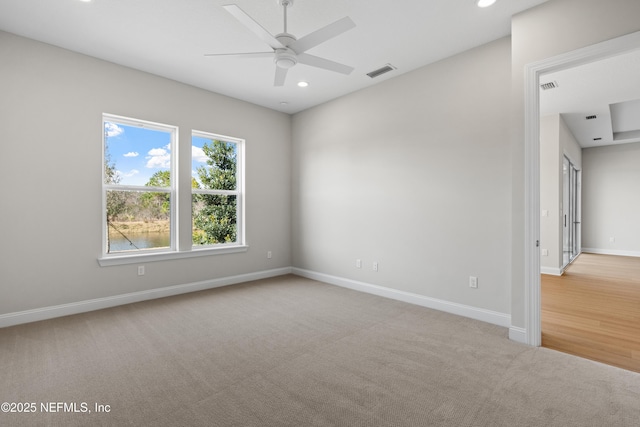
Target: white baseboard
488,316
44,313
611,252
553,271
518,334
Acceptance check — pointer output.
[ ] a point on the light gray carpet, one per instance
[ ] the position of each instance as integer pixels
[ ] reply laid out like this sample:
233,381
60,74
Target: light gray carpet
294,352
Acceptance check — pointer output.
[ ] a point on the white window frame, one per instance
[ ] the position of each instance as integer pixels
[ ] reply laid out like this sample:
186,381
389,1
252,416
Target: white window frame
238,192
176,250
171,190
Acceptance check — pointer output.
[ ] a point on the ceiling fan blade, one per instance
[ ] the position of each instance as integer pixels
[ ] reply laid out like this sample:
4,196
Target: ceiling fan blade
281,75
323,34
314,61
252,25
244,55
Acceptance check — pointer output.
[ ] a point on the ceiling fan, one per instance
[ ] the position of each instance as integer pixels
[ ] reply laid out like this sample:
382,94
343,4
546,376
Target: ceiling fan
288,51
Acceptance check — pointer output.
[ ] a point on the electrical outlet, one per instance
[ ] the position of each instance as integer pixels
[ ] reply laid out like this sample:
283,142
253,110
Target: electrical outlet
473,282
269,255
375,265
358,263
141,270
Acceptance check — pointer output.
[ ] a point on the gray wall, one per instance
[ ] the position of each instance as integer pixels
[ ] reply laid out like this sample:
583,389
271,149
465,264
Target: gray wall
424,174
555,27
611,199
51,106
412,173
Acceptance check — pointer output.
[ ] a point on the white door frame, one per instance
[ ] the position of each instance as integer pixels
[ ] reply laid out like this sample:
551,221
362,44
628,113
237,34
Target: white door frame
533,71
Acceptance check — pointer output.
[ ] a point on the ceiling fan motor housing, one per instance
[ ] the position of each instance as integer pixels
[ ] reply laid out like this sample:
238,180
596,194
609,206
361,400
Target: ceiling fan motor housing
286,39
285,58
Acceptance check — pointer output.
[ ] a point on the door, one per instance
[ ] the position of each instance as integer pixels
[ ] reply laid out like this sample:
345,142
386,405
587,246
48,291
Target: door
570,212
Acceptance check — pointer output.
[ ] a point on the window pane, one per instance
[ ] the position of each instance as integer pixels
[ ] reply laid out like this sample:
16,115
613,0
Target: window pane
138,220
135,155
214,219
213,163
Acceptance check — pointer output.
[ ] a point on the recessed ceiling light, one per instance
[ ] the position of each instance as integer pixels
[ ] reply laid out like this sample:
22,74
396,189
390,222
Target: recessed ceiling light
303,84
485,3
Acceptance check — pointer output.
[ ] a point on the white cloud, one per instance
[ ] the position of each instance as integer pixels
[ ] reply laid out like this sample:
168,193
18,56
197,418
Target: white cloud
132,154
158,158
129,174
157,152
197,155
112,129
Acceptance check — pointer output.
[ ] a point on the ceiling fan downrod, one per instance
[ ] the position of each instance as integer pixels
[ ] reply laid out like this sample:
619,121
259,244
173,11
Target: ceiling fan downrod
285,58
285,4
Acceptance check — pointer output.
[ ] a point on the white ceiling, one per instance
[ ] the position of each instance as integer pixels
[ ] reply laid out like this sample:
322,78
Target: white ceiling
608,89
170,37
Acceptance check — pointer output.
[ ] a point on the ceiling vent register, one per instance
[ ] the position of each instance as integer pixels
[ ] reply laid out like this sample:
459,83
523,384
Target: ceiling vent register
550,85
380,71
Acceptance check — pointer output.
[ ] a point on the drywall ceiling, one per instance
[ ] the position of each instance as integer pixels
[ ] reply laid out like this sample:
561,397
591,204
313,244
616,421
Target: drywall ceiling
169,38
608,89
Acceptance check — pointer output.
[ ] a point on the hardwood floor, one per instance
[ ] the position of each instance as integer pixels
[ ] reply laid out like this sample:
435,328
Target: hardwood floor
593,310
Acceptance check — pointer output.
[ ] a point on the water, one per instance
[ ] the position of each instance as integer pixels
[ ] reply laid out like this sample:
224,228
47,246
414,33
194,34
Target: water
142,240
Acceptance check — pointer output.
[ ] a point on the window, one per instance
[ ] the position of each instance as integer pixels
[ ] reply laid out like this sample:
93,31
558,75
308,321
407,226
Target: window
140,193
138,186
215,182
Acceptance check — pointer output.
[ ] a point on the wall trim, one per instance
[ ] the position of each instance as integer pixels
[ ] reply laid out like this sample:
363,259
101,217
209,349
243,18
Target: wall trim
553,271
611,252
493,317
44,313
518,334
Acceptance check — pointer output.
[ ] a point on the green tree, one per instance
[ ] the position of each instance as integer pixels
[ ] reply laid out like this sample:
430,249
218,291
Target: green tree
215,215
157,205
116,200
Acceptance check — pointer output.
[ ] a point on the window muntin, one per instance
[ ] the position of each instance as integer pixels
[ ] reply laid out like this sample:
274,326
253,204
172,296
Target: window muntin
216,184
138,186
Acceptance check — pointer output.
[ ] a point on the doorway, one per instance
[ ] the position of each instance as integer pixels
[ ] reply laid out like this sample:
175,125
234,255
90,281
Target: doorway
533,72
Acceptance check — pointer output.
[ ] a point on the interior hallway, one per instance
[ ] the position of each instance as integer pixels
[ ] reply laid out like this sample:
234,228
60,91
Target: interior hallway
593,310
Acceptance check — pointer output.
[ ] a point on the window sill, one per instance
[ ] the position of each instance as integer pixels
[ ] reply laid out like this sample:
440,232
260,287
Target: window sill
110,260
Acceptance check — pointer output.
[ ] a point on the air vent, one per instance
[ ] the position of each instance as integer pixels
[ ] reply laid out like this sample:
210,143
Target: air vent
591,117
549,85
375,73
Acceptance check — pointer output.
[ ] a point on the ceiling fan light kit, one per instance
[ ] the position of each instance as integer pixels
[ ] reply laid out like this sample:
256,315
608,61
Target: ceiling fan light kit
285,58
287,50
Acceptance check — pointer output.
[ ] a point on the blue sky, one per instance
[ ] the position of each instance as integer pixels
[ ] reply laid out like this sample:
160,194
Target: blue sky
138,153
